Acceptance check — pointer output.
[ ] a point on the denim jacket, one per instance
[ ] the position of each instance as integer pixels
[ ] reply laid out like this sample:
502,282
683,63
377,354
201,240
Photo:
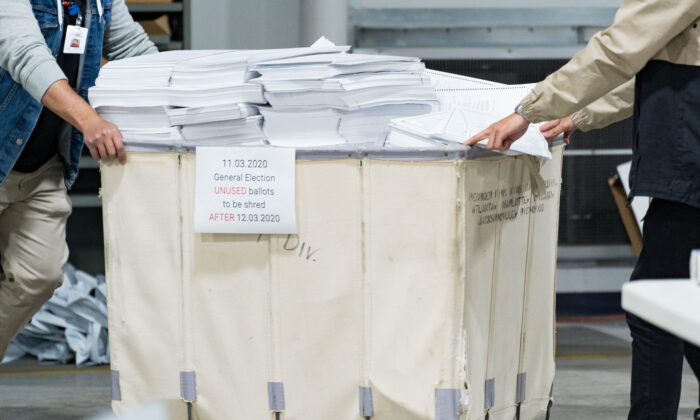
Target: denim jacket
19,107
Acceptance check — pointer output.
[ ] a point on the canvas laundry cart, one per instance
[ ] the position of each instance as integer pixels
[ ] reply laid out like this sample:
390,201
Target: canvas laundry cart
420,286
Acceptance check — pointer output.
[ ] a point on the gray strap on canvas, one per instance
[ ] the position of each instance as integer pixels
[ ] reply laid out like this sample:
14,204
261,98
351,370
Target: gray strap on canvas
489,393
447,405
522,387
188,386
366,407
275,396
116,389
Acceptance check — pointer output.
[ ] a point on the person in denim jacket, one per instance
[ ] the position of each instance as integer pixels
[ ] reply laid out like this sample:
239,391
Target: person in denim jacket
44,121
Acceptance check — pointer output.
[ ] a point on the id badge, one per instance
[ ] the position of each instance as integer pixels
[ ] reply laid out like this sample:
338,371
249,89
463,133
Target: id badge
76,39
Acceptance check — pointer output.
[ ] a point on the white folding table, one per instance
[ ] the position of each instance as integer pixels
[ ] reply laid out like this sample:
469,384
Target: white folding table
672,305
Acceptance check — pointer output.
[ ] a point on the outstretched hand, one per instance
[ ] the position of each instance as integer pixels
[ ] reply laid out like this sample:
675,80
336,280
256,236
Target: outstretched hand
556,127
502,134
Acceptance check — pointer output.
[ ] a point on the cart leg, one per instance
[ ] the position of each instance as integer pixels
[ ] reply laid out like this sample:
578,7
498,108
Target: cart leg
517,412
189,411
549,409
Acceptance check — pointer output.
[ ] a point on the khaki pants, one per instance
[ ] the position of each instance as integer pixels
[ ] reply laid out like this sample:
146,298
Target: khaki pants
34,208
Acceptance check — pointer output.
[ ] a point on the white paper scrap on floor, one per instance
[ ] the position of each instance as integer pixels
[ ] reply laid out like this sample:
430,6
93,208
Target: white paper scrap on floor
71,326
420,284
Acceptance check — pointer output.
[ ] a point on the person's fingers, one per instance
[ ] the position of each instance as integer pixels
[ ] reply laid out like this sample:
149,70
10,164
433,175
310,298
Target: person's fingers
498,139
101,151
484,134
549,125
553,132
506,145
567,137
110,149
119,145
94,153
492,140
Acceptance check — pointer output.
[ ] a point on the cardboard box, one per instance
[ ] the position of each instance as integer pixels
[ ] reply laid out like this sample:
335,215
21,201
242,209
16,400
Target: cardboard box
626,214
160,26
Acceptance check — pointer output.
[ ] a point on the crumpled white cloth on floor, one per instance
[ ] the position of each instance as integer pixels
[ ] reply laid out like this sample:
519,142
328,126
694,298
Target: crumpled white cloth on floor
72,325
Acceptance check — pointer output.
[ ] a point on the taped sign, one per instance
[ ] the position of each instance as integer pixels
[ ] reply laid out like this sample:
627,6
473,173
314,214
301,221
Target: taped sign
245,190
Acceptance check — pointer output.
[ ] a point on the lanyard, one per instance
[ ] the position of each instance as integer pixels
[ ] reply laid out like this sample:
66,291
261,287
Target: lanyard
99,9
59,7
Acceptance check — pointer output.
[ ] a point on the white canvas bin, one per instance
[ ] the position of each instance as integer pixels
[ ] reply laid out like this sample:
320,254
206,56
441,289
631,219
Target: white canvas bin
420,286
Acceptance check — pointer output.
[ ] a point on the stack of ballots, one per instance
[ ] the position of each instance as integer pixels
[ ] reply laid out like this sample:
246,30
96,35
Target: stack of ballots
317,96
337,98
188,98
72,325
467,106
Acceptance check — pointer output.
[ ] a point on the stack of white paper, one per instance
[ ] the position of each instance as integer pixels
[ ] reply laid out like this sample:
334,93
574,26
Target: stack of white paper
146,70
169,96
336,98
302,128
162,117
71,325
148,118
224,67
207,114
318,96
322,66
220,69
328,126
467,106
166,136
242,131
431,130
448,82
456,126
189,98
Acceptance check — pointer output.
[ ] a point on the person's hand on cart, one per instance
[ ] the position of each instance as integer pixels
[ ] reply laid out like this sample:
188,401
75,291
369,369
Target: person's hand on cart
502,134
553,128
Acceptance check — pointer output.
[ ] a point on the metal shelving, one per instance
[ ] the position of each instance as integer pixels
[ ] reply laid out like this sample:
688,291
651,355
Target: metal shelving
178,13
155,7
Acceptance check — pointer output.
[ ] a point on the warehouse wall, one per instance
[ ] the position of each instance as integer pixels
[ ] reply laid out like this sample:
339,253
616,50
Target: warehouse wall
479,3
324,17
290,23
249,24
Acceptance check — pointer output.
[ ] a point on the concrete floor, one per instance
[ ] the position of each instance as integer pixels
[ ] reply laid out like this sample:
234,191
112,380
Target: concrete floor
593,373
592,381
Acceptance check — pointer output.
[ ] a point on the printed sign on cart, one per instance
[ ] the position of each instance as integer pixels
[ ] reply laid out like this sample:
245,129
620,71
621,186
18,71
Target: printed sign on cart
245,190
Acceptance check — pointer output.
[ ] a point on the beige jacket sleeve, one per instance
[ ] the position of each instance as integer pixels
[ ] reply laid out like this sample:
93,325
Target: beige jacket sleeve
617,105
613,56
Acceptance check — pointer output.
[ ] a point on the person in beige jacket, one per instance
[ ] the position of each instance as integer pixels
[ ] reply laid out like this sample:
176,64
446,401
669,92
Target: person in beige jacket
646,64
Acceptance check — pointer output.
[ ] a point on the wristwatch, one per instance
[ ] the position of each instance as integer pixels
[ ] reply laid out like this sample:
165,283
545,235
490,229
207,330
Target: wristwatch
519,111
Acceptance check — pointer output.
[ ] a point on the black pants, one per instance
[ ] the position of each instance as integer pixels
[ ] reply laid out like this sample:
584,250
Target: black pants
671,231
